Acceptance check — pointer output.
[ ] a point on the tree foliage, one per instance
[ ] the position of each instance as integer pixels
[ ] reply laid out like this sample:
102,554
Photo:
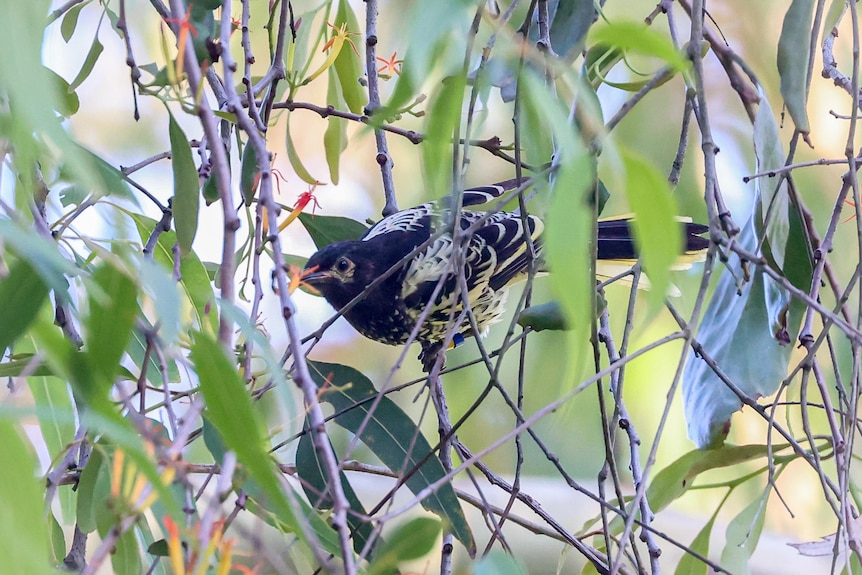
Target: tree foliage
193,413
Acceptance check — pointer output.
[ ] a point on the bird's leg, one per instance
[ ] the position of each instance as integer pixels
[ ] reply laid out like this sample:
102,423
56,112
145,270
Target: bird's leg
429,354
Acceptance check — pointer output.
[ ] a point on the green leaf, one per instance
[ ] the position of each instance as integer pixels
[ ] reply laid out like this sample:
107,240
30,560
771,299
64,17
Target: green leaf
673,481
113,299
758,314
327,229
68,102
94,488
315,481
444,113
213,440
836,10
164,296
42,255
295,161
393,438
638,38
599,59
793,60
55,411
249,173
158,548
544,316
89,63
651,200
347,65
785,246
186,202
569,25
408,542
689,564
137,351
24,539
17,366
73,195
742,536
22,292
70,21
230,411
126,558
202,21
28,90
91,169
335,136
568,235
194,281
498,563
58,540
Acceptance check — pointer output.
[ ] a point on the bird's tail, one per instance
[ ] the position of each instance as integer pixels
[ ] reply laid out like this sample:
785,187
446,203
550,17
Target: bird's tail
616,242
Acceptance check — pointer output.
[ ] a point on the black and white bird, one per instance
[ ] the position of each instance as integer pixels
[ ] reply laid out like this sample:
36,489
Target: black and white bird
493,257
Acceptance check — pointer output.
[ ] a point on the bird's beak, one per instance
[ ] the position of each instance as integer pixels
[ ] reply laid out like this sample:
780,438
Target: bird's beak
317,277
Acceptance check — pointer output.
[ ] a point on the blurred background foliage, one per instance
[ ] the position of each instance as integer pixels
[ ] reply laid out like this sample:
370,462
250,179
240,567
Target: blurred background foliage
430,37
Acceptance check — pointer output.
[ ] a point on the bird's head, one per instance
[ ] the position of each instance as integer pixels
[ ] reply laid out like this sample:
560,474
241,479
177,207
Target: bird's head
341,271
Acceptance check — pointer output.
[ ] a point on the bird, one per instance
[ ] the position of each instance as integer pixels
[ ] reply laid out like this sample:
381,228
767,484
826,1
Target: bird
493,257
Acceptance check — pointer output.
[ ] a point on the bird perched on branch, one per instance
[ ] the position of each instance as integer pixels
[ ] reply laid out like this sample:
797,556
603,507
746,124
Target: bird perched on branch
423,264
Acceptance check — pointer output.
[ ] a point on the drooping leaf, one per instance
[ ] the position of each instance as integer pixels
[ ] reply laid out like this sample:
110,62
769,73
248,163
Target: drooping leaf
113,299
55,412
137,351
125,559
689,564
24,540
335,136
249,174
70,21
742,536
163,292
22,293
327,229
296,161
793,60
194,281
758,314
444,112
41,254
347,65
499,563
90,168
670,483
408,542
73,195
569,224
58,539
15,367
833,15
393,438
68,102
95,51
637,38
230,411
544,316
186,202
94,487
570,21
651,200
315,482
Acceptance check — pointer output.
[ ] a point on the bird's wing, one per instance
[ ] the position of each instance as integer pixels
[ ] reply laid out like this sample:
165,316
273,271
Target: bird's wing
413,220
506,235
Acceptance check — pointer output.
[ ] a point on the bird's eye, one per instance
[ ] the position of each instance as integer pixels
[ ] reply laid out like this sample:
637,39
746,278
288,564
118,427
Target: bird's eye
343,265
